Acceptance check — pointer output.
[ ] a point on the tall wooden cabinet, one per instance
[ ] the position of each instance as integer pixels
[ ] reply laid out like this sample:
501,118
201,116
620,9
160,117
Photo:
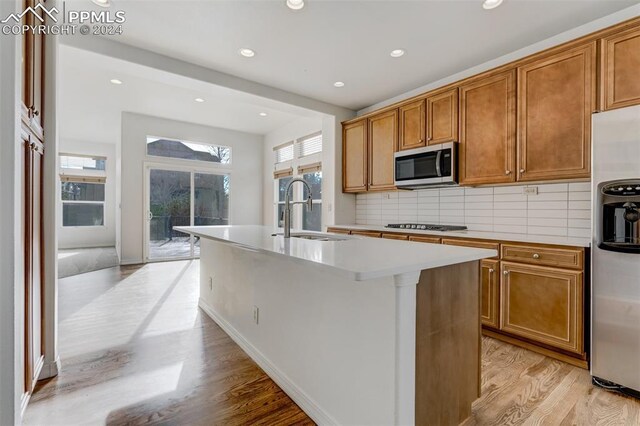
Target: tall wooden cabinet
32,146
488,129
355,156
620,61
556,96
383,143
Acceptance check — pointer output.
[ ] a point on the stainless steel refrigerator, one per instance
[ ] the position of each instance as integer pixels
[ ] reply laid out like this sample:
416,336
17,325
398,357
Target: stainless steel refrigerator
615,250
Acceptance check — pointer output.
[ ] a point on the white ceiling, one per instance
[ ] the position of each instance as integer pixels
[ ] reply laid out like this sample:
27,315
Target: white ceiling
305,51
91,106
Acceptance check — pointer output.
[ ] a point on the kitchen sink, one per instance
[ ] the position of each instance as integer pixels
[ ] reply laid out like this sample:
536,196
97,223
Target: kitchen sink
313,236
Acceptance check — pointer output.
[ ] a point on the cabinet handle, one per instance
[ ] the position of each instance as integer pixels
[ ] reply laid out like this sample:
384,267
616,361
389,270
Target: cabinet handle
536,256
505,272
521,170
507,172
420,141
428,138
491,270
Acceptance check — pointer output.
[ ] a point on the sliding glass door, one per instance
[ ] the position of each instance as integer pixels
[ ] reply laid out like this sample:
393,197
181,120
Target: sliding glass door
182,198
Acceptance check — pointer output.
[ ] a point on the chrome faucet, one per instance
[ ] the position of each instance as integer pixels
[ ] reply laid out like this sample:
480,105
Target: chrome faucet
288,204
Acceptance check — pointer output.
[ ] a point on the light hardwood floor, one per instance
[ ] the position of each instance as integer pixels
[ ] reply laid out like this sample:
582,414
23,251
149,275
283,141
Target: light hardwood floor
136,350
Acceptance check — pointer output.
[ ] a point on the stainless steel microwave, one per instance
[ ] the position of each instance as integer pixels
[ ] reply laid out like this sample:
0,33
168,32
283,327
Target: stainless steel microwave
431,166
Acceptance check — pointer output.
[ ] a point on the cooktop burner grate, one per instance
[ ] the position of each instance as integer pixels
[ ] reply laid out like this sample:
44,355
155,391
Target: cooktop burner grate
427,227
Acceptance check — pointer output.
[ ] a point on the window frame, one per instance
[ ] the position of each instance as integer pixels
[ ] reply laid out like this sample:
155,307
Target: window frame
184,161
295,165
79,176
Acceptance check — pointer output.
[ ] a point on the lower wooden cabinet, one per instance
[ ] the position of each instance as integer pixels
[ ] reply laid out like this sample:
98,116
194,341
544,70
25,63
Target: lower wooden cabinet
543,304
395,237
373,234
490,300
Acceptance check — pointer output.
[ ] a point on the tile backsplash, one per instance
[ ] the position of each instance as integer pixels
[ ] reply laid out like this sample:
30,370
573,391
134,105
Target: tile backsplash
562,209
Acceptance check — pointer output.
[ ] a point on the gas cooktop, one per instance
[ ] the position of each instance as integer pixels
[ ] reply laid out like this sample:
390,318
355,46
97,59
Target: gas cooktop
427,227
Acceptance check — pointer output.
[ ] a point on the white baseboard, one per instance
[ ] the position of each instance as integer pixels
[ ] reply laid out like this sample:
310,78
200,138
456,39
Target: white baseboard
308,405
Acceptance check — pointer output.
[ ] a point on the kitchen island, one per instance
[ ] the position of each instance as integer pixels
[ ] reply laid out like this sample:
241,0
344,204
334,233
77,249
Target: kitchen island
355,330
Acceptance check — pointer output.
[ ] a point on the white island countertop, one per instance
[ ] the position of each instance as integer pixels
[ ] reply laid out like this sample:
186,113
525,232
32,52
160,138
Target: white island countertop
353,257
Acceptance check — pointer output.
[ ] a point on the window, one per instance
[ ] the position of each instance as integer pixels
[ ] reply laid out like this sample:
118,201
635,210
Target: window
82,202
78,162
301,158
82,192
162,147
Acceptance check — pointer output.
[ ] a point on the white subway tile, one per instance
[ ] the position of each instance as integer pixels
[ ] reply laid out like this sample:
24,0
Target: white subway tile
580,223
579,205
547,230
510,205
477,212
452,220
407,194
512,229
547,222
510,213
478,191
450,206
428,193
547,205
479,206
580,232
478,198
478,219
560,214
510,221
449,192
580,186
579,214
552,187
451,213
580,196
479,227
549,196
508,189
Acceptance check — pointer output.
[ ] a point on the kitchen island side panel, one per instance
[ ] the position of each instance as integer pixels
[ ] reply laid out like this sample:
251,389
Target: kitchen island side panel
332,338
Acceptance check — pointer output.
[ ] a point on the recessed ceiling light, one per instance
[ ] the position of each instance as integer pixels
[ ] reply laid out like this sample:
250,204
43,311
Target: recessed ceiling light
338,84
199,100
295,4
102,3
115,81
247,53
396,53
491,4
263,114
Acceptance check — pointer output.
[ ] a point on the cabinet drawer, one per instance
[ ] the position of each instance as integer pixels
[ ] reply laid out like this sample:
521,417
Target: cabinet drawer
367,233
474,244
543,304
548,256
395,237
339,231
421,239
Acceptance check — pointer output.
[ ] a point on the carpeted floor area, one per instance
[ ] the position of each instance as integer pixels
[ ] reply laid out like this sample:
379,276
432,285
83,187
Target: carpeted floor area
78,261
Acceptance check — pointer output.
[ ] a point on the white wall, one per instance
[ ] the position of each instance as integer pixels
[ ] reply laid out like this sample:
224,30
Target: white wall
246,171
92,236
11,295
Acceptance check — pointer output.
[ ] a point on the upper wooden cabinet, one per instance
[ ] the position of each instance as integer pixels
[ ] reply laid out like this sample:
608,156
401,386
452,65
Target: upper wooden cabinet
33,74
487,129
383,143
354,156
442,117
412,118
556,96
620,70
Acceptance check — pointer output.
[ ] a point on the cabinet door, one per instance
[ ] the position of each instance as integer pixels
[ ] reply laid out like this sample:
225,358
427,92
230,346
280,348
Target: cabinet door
620,69
383,143
412,125
442,117
487,129
543,304
354,156
490,301
33,72
556,96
